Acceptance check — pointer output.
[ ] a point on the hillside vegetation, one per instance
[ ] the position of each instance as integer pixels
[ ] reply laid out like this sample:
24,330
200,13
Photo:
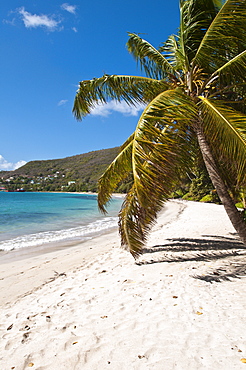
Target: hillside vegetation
76,173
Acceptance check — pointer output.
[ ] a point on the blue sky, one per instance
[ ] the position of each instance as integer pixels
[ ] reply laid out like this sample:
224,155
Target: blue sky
47,48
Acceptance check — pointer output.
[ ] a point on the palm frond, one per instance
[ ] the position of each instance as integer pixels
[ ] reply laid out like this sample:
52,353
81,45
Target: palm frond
131,221
225,129
115,173
162,149
164,121
151,60
195,19
173,53
234,69
133,90
225,38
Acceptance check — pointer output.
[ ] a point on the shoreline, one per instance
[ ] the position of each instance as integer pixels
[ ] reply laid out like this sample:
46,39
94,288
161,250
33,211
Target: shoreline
61,231
26,262
181,305
46,248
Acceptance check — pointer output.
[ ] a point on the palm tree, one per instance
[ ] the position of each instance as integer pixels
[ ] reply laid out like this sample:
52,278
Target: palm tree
194,95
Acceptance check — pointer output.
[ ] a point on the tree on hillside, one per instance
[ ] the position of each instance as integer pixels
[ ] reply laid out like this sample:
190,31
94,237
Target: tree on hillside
194,91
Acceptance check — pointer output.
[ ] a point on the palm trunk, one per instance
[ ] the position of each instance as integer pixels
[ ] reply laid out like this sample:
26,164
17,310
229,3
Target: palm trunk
231,210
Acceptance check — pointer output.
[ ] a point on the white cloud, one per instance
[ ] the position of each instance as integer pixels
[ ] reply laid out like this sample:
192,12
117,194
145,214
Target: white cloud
105,110
62,102
12,22
69,8
19,164
34,20
8,166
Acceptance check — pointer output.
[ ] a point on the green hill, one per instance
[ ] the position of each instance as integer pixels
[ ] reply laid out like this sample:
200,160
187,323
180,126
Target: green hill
76,173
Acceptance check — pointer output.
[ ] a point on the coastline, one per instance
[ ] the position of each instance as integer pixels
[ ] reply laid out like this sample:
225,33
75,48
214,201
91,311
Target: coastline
91,306
59,226
26,262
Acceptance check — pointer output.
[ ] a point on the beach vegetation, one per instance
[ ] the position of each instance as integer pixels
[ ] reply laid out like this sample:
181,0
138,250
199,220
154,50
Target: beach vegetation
200,187
194,93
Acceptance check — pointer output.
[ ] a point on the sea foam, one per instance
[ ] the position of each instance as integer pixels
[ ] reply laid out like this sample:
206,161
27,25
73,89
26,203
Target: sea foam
80,233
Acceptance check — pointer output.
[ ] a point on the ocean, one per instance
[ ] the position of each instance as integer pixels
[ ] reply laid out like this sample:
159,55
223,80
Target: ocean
32,219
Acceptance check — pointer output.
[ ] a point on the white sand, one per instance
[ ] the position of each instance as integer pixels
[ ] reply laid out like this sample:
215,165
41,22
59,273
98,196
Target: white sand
183,306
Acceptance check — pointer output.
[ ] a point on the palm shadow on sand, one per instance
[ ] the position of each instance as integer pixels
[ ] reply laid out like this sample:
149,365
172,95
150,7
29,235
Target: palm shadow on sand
230,251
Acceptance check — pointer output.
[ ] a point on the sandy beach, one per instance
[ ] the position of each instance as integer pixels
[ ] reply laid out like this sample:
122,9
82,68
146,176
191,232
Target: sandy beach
181,305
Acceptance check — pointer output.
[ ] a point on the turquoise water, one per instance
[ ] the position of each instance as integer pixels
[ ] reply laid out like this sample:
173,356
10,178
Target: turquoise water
32,219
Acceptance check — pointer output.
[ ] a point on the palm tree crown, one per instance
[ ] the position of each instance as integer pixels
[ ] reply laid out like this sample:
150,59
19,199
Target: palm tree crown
194,92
